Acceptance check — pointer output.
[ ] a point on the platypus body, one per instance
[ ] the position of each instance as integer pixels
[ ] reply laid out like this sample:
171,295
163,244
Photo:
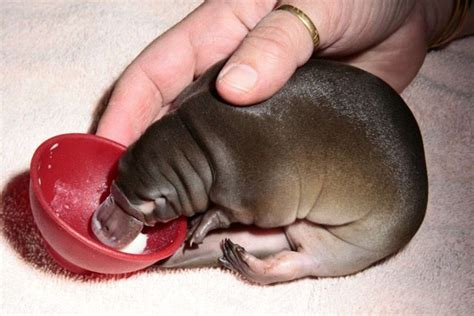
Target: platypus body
335,158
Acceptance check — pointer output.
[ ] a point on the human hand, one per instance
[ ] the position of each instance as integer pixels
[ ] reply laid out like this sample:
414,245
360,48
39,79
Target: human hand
386,38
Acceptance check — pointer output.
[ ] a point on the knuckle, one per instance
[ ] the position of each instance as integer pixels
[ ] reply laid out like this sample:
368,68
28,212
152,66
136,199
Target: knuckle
274,41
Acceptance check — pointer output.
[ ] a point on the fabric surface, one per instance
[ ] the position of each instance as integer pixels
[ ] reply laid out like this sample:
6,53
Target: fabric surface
59,60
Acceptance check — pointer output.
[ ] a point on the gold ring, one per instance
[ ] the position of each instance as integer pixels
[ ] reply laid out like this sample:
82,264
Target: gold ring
455,24
313,32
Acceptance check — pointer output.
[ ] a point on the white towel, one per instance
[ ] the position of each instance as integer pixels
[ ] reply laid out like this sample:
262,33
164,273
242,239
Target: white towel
57,61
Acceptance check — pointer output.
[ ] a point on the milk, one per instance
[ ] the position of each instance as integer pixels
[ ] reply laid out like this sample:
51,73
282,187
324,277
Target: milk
137,246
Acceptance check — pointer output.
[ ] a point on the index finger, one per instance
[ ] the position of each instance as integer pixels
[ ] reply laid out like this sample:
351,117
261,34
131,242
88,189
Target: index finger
153,80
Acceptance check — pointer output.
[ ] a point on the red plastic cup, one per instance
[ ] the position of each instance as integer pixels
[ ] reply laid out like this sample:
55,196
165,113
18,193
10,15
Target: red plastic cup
70,175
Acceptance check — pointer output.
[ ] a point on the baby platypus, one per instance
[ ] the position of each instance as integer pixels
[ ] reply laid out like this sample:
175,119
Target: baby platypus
331,168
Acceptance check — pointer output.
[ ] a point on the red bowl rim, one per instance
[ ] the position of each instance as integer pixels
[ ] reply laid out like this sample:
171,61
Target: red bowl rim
97,246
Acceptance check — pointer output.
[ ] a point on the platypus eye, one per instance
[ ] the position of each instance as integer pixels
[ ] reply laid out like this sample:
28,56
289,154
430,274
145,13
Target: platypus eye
164,211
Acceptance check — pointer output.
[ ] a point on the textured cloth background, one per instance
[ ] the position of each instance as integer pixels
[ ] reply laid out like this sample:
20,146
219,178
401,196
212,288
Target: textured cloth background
59,59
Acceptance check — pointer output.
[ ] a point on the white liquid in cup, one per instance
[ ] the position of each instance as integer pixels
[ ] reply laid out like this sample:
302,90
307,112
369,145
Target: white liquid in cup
137,246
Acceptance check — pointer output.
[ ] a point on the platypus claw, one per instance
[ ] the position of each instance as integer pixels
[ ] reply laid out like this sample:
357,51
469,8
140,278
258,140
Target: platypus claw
235,258
192,237
223,261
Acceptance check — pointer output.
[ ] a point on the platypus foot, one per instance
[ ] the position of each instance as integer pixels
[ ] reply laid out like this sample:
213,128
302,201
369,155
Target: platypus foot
201,225
283,266
236,258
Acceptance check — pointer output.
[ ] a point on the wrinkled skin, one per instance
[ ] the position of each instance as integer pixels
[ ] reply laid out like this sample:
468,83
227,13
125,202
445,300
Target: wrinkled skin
334,159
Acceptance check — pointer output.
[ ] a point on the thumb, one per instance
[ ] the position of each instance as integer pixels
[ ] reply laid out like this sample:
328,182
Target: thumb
268,56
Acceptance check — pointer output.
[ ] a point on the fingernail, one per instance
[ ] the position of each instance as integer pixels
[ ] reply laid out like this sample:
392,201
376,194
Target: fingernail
239,76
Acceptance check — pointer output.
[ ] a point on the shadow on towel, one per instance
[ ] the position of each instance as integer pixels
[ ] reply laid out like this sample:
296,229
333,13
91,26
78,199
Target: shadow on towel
100,109
21,232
